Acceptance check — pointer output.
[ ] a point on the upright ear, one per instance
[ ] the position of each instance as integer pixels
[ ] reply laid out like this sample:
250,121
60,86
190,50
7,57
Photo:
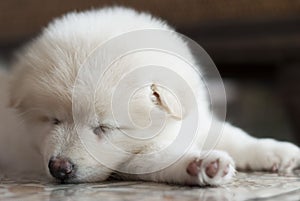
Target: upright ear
167,101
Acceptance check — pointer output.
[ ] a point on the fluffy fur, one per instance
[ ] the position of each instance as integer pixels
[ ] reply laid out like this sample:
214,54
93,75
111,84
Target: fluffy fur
40,124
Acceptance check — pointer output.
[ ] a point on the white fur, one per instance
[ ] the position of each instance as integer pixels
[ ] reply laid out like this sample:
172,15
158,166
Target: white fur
41,87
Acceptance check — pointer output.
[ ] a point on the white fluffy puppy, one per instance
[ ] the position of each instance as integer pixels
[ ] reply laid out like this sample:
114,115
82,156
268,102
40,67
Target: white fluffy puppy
82,142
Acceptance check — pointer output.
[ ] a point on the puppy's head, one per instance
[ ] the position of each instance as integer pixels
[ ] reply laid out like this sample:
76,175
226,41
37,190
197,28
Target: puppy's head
76,121
88,117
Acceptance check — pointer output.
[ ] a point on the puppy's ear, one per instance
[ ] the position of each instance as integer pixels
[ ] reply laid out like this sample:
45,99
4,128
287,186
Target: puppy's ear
167,101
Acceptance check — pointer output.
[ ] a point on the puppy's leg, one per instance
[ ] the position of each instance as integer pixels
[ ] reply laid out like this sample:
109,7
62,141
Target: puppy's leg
194,168
258,154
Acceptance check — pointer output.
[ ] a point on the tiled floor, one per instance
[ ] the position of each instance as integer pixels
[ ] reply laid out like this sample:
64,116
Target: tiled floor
247,186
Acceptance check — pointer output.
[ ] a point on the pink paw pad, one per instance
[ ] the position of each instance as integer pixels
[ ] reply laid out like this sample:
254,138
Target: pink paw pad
211,169
193,168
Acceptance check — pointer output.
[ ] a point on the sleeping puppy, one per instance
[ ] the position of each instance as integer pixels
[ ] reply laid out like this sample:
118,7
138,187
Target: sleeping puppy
80,115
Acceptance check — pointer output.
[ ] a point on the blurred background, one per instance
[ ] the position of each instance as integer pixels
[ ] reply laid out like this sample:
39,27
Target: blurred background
254,43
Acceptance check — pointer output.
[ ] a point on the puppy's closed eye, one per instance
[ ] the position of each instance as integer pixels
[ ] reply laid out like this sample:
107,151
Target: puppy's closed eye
55,121
102,129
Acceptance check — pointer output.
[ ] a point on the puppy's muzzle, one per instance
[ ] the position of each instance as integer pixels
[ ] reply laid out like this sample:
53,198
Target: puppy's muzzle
61,168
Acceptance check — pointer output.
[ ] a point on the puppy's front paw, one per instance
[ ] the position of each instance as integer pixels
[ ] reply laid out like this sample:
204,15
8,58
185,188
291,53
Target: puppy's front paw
215,169
275,156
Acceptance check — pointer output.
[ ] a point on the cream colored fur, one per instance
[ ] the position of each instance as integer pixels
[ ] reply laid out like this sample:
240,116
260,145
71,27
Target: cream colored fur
40,89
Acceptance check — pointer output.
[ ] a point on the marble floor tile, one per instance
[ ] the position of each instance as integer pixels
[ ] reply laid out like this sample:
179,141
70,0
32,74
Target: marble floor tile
246,186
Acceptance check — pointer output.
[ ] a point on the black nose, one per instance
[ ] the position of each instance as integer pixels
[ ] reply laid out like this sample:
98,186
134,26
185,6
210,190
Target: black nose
61,168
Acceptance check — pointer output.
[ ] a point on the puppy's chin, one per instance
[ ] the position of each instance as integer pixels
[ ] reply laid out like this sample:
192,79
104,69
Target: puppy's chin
85,172
81,177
